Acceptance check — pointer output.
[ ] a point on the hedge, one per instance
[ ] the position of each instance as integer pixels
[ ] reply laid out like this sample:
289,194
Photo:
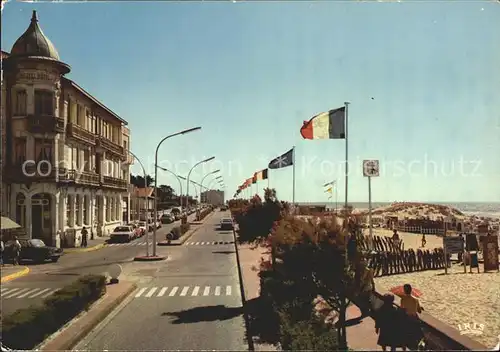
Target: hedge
204,213
28,327
178,231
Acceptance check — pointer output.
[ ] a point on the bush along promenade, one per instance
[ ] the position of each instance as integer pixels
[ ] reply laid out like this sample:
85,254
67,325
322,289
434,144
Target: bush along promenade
310,262
178,231
26,328
203,214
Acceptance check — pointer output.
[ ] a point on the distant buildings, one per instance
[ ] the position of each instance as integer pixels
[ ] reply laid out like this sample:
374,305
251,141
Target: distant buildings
213,197
65,155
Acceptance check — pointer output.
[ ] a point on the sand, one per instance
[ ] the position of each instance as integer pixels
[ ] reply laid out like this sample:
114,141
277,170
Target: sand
456,298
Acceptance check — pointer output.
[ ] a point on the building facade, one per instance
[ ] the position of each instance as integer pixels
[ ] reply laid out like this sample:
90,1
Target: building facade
142,200
212,197
66,162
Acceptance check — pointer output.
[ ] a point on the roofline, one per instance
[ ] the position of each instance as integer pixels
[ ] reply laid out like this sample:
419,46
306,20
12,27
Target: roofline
88,95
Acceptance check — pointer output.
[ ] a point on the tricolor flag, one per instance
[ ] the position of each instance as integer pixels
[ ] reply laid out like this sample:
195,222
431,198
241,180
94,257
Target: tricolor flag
329,190
327,125
249,182
254,178
261,175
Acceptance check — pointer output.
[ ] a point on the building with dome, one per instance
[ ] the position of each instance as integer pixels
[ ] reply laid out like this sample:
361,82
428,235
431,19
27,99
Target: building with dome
65,157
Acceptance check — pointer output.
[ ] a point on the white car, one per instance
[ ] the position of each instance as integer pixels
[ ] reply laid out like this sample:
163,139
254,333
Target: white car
122,234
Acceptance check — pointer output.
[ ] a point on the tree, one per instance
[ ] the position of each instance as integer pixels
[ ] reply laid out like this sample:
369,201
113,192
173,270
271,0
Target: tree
138,181
165,193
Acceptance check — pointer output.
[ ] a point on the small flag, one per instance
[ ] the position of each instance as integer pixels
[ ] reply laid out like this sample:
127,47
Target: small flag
329,184
282,161
254,178
327,125
329,190
261,175
249,182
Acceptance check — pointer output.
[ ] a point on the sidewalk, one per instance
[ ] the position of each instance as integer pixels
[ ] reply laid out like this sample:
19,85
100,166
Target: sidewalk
361,336
92,245
10,272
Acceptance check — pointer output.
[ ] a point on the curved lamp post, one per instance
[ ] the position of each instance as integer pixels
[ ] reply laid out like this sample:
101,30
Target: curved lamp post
212,182
156,176
189,174
203,179
145,199
179,178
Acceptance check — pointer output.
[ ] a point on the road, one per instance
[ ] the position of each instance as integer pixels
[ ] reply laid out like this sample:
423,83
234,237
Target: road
45,279
190,302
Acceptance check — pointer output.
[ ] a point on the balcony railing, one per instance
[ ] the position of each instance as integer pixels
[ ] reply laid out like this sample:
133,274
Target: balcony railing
110,146
77,132
130,159
45,124
112,182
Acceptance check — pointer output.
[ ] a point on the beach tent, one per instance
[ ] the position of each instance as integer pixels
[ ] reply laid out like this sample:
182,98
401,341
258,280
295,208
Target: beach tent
8,224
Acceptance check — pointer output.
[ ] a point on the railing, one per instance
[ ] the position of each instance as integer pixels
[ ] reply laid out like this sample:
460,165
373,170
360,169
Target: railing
80,133
110,146
45,124
112,182
419,229
79,177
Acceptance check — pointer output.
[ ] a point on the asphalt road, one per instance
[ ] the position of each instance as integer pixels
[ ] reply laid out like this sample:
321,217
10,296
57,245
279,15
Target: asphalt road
190,302
45,279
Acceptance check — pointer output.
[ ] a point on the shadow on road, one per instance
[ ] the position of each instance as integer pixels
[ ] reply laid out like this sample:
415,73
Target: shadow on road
208,313
224,252
64,270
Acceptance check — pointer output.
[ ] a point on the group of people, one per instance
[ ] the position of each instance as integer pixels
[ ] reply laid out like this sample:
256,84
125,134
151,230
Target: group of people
16,251
399,327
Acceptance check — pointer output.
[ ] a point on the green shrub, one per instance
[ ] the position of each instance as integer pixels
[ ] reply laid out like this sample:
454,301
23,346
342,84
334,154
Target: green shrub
27,327
184,228
310,334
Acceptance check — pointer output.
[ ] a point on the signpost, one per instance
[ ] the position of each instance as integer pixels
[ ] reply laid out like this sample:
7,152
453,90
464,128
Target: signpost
371,168
490,253
452,245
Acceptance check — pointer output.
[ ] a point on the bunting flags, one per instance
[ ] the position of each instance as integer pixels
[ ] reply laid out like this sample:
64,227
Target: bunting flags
282,160
261,175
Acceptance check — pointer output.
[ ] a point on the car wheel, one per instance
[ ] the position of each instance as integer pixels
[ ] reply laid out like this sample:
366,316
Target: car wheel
54,259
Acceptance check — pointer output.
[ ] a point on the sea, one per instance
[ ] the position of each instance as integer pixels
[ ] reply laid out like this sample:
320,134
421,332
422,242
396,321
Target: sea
486,209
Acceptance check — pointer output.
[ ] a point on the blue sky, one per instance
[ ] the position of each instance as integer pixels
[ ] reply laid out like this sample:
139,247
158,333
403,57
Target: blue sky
251,73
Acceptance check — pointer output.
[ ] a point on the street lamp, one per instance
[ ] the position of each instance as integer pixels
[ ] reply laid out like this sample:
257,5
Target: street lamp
189,174
204,177
156,176
145,199
215,179
179,178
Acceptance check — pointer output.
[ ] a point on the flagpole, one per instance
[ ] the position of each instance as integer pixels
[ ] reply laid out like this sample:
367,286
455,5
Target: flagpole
346,154
293,191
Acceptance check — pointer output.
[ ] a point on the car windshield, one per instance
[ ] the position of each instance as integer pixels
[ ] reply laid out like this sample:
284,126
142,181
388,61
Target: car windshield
227,220
122,229
37,243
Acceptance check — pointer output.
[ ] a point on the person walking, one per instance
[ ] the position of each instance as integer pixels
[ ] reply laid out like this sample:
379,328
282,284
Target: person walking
368,286
16,248
424,241
388,324
85,234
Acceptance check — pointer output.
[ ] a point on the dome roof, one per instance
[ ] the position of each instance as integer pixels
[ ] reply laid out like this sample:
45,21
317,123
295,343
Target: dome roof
34,43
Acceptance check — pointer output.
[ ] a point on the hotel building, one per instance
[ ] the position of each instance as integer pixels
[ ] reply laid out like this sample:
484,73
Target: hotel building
65,155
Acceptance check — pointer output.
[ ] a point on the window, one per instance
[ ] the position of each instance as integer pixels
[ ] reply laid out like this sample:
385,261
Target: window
19,150
125,145
80,118
77,209
68,210
20,99
44,104
86,219
86,160
43,150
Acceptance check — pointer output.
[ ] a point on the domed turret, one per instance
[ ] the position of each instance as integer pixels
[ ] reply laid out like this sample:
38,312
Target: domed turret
34,43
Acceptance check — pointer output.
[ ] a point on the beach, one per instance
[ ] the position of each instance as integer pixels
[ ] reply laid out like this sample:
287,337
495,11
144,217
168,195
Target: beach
456,298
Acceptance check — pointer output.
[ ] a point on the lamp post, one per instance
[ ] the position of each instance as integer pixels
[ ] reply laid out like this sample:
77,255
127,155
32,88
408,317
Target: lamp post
156,176
179,178
189,174
204,177
215,179
145,199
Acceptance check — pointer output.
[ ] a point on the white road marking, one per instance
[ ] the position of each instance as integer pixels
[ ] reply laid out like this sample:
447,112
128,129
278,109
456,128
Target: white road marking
50,293
151,292
28,293
217,291
17,291
206,292
174,291
141,291
184,291
162,292
228,290
39,293
195,291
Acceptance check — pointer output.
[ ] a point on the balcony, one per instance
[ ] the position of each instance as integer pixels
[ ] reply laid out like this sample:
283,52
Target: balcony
45,124
112,182
109,146
129,160
30,172
79,133
79,177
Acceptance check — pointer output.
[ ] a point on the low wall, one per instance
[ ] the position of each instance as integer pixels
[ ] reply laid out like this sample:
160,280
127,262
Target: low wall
439,336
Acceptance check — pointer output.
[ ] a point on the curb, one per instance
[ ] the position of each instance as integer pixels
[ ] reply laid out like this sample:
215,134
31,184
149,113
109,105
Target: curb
149,259
251,345
84,250
16,275
185,237
53,344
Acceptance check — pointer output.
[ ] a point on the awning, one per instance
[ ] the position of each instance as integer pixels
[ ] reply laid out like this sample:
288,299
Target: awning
8,224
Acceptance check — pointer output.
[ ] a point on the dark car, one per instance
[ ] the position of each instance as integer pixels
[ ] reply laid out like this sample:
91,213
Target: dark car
226,224
35,250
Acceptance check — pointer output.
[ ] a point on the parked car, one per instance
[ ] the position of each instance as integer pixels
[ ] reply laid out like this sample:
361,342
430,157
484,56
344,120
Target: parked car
122,234
136,229
167,218
33,250
226,224
142,225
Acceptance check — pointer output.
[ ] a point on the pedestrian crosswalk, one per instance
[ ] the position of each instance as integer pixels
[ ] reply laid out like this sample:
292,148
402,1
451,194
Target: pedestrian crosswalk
27,292
208,243
130,244
184,291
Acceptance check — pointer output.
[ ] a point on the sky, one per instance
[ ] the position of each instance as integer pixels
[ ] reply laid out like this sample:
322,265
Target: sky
422,79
